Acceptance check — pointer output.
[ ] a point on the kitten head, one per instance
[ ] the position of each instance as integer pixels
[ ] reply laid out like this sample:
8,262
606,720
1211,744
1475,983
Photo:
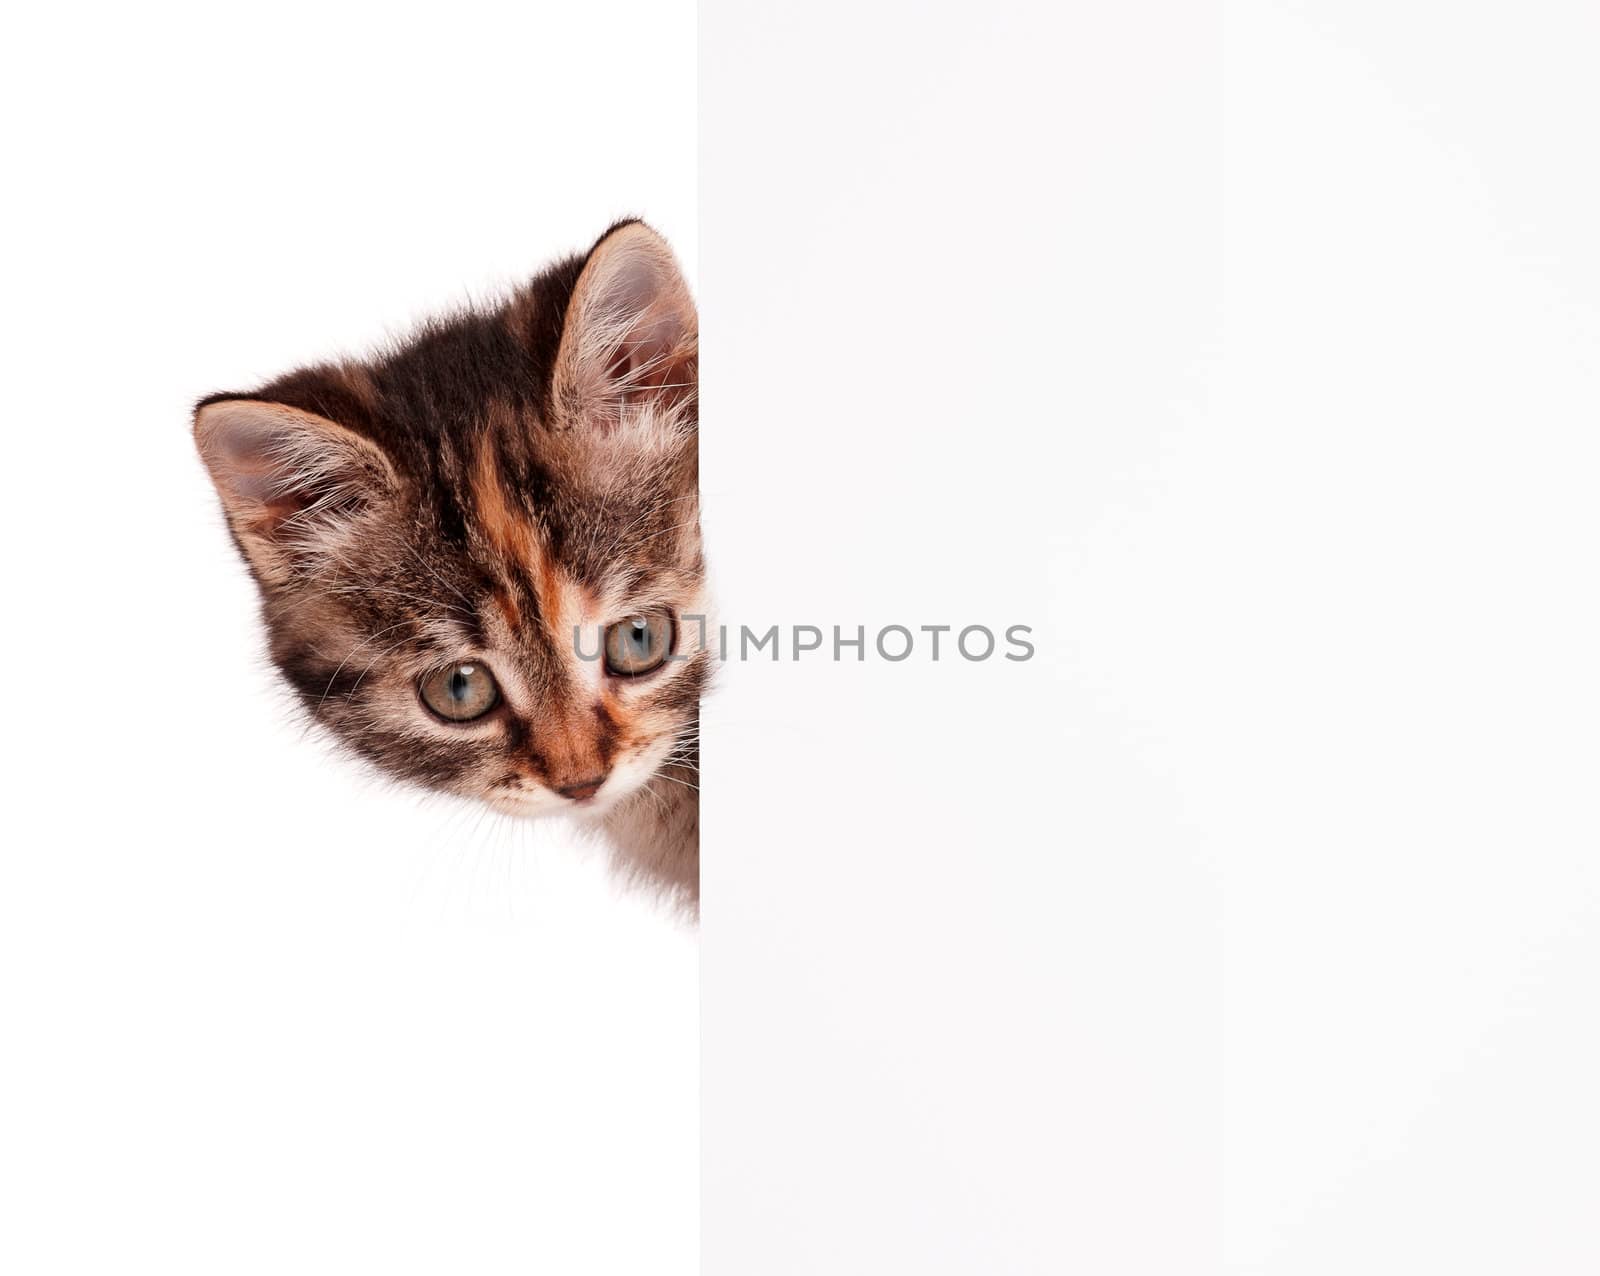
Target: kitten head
479,555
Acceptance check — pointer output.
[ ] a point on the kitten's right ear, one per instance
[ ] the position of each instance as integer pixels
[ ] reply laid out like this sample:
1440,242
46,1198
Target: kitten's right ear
631,333
290,481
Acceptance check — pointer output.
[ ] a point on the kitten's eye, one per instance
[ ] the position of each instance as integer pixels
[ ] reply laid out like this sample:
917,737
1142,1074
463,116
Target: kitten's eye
639,644
460,693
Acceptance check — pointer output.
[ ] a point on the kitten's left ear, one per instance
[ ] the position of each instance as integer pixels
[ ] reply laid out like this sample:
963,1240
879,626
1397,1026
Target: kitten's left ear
290,481
631,336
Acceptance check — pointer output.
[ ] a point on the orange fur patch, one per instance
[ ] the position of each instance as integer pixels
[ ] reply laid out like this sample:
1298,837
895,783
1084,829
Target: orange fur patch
509,533
508,609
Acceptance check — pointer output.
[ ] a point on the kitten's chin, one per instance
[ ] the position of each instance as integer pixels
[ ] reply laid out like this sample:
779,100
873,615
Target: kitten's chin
527,805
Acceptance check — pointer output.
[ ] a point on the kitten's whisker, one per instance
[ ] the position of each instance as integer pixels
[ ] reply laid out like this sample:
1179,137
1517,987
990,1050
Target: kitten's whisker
333,555
653,509
357,683
374,590
645,540
364,642
401,593
423,563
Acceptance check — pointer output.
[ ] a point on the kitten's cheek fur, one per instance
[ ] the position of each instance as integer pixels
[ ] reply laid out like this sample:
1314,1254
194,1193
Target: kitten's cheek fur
633,773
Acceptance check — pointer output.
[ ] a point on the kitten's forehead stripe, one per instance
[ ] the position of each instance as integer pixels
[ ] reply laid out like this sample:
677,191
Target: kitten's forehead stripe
509,611
511,534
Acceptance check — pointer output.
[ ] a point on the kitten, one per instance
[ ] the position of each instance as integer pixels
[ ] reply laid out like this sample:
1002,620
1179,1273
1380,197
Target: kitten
479,554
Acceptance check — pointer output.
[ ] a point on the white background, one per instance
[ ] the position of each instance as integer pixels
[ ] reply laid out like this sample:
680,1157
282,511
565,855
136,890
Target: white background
260,1014
1253,927
961,943
1403,626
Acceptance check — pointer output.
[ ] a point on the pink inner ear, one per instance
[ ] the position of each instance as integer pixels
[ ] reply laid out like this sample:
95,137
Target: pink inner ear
630,335
239,447
645,358
271,463
252,477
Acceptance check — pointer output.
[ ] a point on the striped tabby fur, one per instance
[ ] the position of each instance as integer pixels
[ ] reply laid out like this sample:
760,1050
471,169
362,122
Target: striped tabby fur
501,478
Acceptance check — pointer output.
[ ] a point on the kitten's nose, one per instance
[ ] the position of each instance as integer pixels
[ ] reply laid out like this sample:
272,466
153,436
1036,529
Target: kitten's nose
583,789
